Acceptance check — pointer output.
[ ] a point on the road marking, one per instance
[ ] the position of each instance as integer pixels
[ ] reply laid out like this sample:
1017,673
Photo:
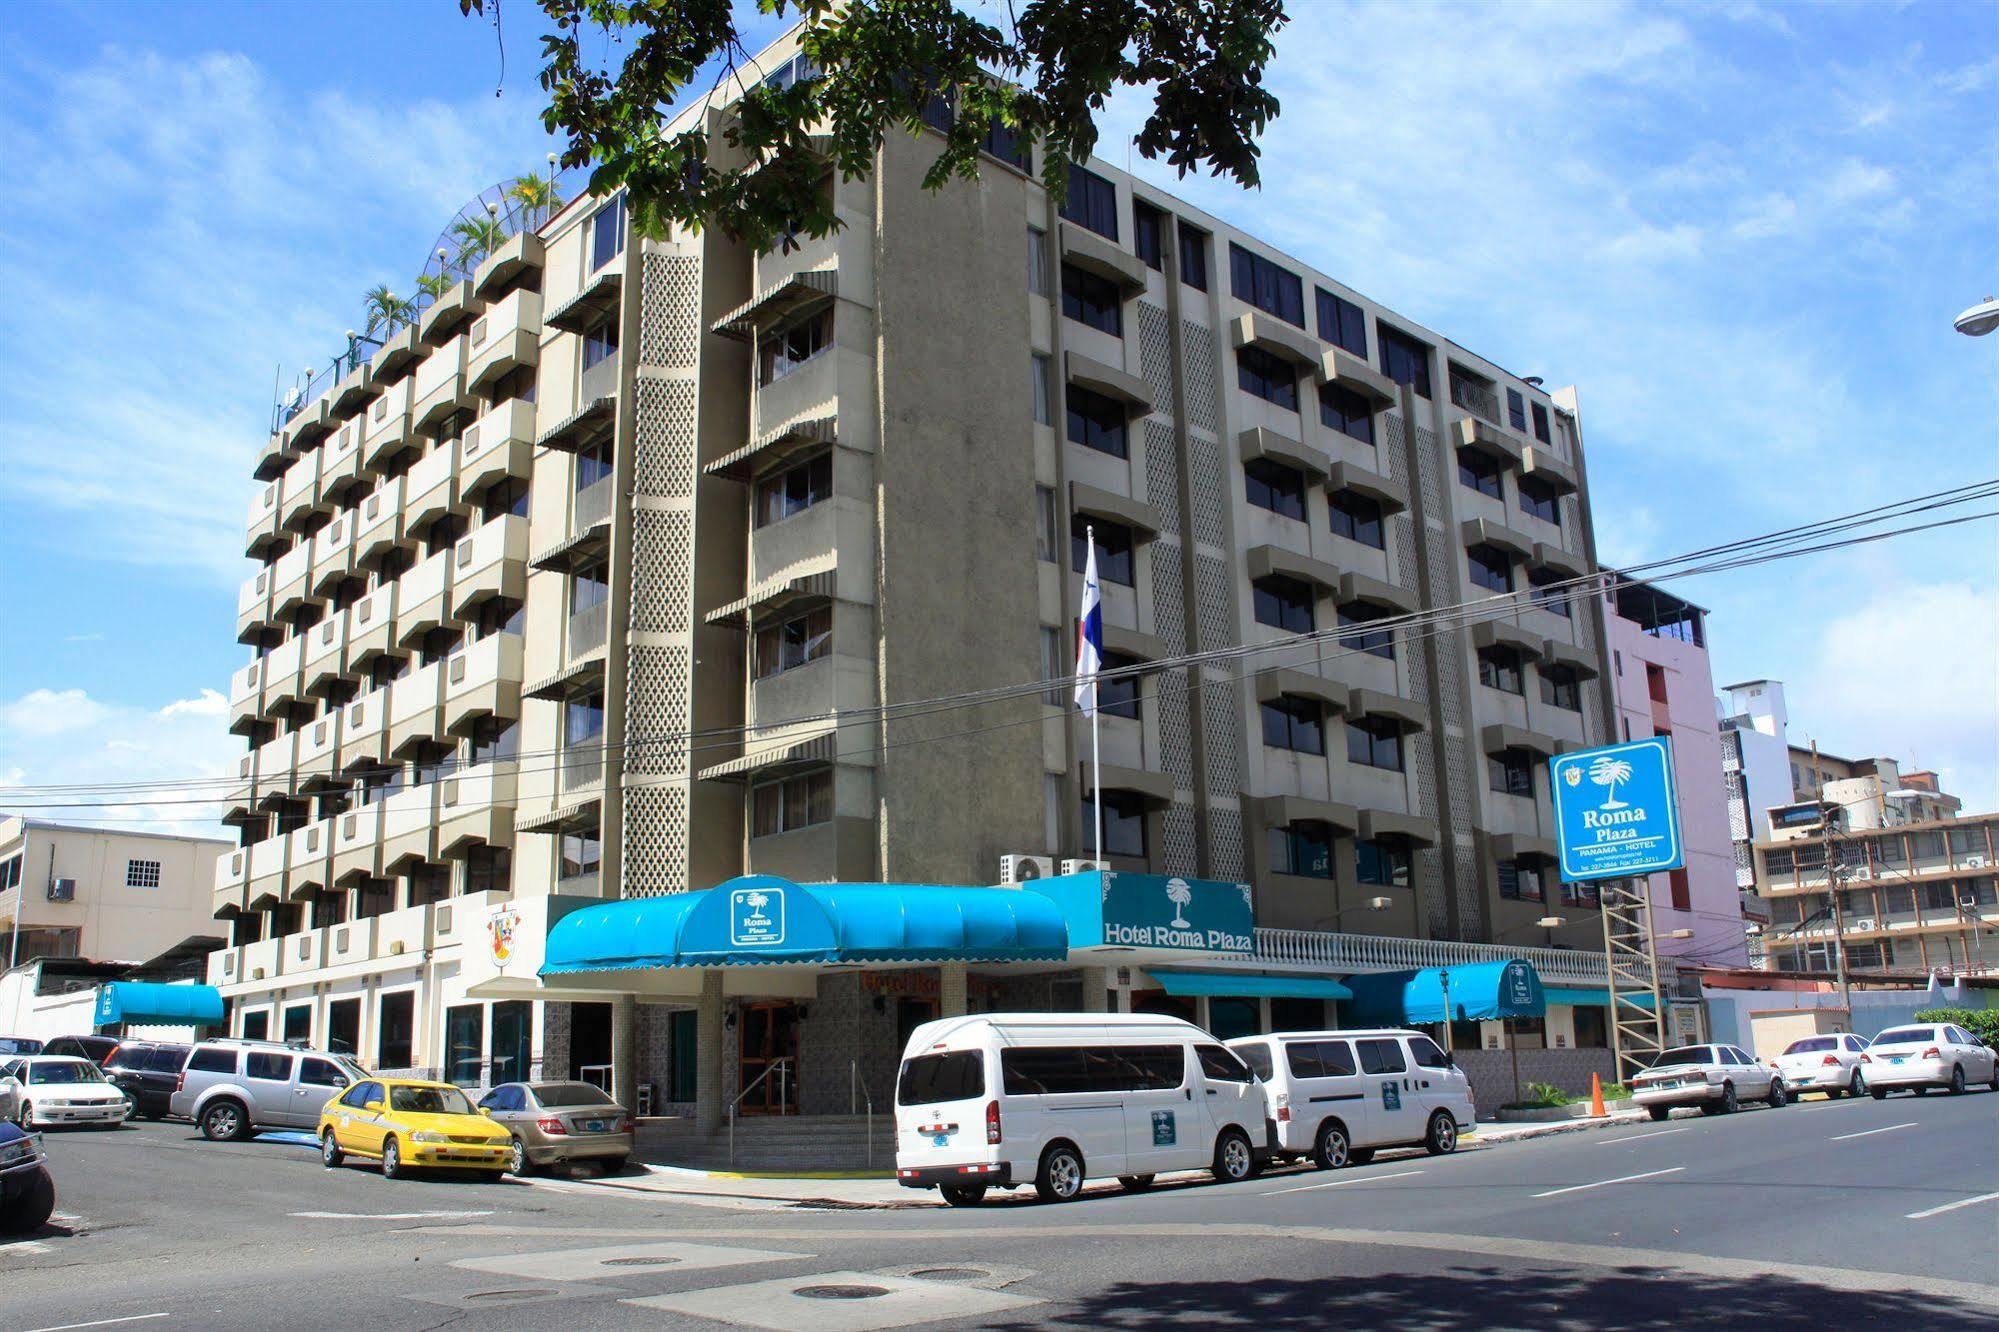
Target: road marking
1868,1133
1951,1207
103,1322
1357,1179
386,1216
1634,1137
1603,1183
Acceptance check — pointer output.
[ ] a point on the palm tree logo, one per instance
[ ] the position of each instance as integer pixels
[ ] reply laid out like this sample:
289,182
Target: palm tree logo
1179,894
1610,773
756,901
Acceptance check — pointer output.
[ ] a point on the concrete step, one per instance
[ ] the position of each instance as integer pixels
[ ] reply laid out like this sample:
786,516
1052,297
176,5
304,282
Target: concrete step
772,1142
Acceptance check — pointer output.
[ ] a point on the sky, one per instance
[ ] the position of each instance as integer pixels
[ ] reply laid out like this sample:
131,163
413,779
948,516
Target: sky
1741,230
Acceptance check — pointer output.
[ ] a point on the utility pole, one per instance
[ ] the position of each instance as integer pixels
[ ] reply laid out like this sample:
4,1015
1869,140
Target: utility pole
1834,875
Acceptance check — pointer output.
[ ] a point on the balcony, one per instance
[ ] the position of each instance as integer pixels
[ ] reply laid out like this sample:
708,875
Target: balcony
333,552
259,961
504,338
238,797
364,729
1474,397
440,386
414,707
351,943
378,523
580,768
589,629
422,597
253,606
430,487
340,460
246,697
462,920
476,807
402,933
357,843
387,432
1347,954
319,748
305,951
291,579
262,522
409,827
299,490
491,562
311,854
273,768
267,870
500,445
371,627
588,532
484,680
232,874
325,653
282,666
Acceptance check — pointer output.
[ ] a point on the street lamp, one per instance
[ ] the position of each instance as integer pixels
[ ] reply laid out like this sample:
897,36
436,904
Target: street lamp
1980,319
1371,904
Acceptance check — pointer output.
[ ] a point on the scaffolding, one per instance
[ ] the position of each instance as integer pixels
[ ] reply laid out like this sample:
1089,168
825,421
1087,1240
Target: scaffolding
1637,1033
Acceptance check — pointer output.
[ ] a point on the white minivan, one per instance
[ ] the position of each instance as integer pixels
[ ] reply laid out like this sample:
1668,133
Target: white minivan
998,1100
1338,1096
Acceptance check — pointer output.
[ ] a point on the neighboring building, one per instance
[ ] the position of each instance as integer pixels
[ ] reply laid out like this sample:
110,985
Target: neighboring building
526,569
1874,793
1664,686
102,895
1916,896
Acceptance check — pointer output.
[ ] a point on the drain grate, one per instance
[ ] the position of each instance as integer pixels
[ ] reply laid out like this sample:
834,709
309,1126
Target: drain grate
639,1262
841,1292
951,1273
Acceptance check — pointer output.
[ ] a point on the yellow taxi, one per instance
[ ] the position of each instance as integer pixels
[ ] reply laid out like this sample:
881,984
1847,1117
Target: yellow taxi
408,1123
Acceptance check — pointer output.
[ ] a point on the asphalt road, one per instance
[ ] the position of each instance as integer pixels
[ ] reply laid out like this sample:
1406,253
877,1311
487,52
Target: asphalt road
1816,1213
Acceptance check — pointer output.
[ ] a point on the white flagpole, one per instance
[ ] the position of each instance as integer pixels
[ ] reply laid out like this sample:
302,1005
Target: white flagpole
1096,707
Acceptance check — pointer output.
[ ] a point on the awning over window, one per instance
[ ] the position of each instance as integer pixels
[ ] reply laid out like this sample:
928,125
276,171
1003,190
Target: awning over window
153,1004
1221,985
1578,996
1475,992
764,920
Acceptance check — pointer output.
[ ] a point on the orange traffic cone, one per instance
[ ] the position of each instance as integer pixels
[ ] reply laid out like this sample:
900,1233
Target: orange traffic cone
1596,1096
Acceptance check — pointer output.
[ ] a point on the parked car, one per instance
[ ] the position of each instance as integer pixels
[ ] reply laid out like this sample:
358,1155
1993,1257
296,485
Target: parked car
1832,1064
60,1089
19,1045
1051,1099
405,1124
147,1072
1338,1096
233,1088
560,1122
1932,1054
94,1048
1717,1078
27,1192
10,1090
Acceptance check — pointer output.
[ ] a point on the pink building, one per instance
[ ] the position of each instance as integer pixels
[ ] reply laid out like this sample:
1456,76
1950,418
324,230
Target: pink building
1664,687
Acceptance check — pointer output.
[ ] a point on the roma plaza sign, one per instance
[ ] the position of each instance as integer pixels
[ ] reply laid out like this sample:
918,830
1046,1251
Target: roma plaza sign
1617,812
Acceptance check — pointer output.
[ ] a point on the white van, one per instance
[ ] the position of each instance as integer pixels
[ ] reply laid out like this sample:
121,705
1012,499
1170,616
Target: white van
999,1100
1338,1096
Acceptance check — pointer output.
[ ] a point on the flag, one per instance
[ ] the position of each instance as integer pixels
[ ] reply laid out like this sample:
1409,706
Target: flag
1089,636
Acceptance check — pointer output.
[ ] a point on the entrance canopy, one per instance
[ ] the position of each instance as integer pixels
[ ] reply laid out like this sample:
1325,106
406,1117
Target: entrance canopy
1477,991
1217,985
153,1004
763,920
1586,995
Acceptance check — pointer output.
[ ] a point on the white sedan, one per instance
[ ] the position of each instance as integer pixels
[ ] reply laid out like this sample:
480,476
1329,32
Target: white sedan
1834,1064
1717,1078
1932,1054
51,1090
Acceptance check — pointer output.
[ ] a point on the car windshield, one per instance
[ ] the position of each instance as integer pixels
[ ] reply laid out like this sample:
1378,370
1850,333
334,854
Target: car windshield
561,1095
58,1073
430,1101
1905,1035
1686,1054
1811,1045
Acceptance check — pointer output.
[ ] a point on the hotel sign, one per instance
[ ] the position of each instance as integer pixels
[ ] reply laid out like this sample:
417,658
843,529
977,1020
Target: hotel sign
1617,812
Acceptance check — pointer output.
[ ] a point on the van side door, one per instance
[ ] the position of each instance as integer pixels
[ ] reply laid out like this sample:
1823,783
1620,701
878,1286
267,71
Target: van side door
1063,1092
1395,1113
1326,1084
1162,1125
1232,1096
267,1076
319,1081
1439,1086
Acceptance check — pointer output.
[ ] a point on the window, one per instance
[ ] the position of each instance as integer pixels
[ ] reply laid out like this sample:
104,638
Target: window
1008,145
1511,772
464,1041
298,1023
1067,1070
1480,472
142,874
361,1094
794,803
593,464
1096,422
1356,517
1124,822
1426,1054
1091,202
1220,1064
1490,568
1053,667
1541,423
1381,1056
212,1059
583,719
1148,229
1375,742
1114,563
10,872
508,498
581,854
489,869
1550,593
1044,389
600,343
1405,360
1045,547
784,350
1270,288
801,639
1516,409
1273,486
1118,697
1680,890
268,1066
1540,500
794,490
1296,724
1093,301
1283,603
1592,1030
1194,257
1037,261
1347,412
1269,377
1303,849
1320,1059
1258,1059
1500,668
1342,323
1561,687
396,1030
321,1073
256,1026
607,233
1520,880
959,1075
1374,642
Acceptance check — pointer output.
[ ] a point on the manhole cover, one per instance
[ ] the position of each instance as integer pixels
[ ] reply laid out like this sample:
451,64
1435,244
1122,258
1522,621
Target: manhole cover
639,1262
951,1273
505,1294
841,1292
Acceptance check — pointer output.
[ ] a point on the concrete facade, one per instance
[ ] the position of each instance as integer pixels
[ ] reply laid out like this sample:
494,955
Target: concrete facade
101,894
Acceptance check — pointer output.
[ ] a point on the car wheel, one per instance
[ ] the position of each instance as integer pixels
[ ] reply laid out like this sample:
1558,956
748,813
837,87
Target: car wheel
517,1159
614,1164
1360,1156
330,1154
1060,1174
31,1211
24,1116
1234,1161
1659,1113
1856,1085
392,1159
224,1121
1920,1091
1778,1097
1332,1149
1994,1084
963,1195
1880,1094
1957,1079
1134,1183
1441,1139
1729,1104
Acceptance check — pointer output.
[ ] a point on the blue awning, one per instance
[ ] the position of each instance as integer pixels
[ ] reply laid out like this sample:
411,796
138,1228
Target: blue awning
1248,987
152,1004
1477,991
1574,995
762,920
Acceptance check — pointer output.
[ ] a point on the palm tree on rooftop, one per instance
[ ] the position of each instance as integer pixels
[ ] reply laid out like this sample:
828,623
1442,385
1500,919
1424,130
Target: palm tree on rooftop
536,194
477,237
386,311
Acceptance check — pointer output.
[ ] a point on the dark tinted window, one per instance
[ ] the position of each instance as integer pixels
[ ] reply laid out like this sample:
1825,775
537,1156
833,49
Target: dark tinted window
1124,822
1091,202
1091,1068
1427,1054
1342,323
361,1093
1096,422
1499,668
1811,1046
1296,724
1356,517
1117,696
1283,603
1540,499
1490,568
1273,486
959,1075
1147,234
1304,849
1319,1059
1382,1056
1347,412
1092,300
322,1073
1267,286
1405,360
269,1067
1375,743
1479,471
1511,772
1384,864
128,1057
1541,423
1194,257
212,1060
1113,548
1374,642
1221,1064
607,233
1269,377
1257,1057
1516,409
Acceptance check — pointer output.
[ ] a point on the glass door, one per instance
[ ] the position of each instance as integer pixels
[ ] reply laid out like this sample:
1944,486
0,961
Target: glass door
769,1059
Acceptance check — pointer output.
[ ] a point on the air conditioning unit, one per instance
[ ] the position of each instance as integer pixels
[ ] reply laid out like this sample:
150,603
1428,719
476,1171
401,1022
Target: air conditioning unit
1974,862
62,890
1864,923
1084,866
1021,869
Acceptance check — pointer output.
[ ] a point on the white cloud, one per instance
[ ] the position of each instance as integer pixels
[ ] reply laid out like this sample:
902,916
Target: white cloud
208,704
156,768
45,712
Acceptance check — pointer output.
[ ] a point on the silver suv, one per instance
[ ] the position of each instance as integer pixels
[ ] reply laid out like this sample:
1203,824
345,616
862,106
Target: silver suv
232,1088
